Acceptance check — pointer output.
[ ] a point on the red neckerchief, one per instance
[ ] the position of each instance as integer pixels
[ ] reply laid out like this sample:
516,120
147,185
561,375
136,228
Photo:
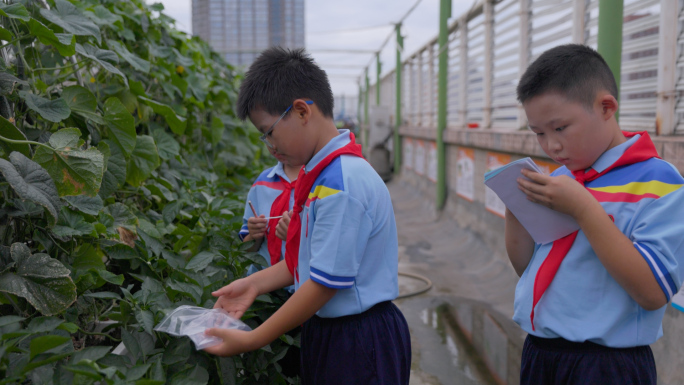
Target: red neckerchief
280,205
643,149
305,182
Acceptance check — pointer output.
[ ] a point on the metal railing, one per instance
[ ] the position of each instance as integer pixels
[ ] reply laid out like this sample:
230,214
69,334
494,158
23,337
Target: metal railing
490,46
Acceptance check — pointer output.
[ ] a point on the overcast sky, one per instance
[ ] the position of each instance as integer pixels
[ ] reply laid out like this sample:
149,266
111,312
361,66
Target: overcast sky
325,20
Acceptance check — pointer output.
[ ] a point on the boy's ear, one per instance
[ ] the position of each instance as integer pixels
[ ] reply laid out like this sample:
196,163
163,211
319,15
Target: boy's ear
609,105
301,109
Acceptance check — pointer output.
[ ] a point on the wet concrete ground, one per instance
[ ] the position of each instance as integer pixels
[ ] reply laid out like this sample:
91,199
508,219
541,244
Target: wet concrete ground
461,267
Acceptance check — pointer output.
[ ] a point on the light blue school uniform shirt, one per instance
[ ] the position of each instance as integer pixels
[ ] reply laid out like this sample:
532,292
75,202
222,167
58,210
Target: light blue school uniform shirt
583,302
266,188
349,236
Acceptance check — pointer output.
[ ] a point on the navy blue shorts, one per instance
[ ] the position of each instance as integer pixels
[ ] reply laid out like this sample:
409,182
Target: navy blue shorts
558,361
373,347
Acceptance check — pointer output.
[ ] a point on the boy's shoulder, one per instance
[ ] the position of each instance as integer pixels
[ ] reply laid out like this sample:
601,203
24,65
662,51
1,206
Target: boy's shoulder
653,172
267,176
347,168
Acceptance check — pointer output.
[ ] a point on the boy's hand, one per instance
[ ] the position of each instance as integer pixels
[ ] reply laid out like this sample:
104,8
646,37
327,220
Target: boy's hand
234,342
559,193
257,227
236,298
283,223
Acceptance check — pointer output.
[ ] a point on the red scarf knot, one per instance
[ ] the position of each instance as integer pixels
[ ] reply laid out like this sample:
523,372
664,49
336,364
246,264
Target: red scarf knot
305,182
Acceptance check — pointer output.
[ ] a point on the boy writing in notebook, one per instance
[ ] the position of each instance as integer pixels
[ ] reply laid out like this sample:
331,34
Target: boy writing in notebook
271,196
341,247
593,301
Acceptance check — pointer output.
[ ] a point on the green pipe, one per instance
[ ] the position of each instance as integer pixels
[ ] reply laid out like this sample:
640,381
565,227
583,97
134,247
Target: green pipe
365,108
398,118
444,14
610,36
378,68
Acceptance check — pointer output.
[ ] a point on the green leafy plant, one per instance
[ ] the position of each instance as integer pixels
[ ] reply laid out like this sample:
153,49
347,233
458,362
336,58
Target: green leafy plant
123,172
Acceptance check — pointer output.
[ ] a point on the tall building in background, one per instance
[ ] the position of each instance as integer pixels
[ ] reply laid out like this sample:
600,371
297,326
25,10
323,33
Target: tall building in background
240,29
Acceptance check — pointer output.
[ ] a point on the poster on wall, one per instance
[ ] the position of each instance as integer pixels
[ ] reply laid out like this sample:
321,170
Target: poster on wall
408,153
432,162
492,201
465,173
419,160
546,166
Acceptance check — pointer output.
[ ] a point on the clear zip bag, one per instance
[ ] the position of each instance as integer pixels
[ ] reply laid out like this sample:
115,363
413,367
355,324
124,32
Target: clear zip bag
192,321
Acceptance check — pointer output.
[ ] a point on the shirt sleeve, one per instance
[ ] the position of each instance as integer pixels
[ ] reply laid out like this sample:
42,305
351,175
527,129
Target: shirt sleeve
339,235
657,235
251,196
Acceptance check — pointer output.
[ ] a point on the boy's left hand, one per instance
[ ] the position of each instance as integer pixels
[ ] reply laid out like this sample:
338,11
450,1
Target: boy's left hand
234,342
559,193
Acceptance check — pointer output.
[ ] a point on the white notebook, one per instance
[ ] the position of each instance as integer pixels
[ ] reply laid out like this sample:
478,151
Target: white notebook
544,224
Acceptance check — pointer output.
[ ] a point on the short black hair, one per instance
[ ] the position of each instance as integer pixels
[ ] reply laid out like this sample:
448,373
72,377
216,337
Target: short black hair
278,77
576,71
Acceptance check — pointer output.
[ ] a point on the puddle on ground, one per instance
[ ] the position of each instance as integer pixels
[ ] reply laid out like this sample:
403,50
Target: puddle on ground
442,354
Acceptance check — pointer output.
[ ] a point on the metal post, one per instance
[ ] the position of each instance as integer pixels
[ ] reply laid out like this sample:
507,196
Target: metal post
398,118
610,36
378,67
444,14
667,67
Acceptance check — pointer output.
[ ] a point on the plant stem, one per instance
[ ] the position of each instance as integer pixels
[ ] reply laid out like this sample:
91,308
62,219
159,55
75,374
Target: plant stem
62,67
29,142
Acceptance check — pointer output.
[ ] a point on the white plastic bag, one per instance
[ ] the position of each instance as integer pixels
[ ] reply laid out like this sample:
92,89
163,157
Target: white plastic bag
192,321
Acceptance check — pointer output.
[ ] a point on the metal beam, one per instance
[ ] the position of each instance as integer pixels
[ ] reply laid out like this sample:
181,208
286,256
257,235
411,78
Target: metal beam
398,118
610,36
444,14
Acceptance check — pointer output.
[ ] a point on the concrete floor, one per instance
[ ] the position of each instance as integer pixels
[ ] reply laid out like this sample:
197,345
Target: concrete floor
461,267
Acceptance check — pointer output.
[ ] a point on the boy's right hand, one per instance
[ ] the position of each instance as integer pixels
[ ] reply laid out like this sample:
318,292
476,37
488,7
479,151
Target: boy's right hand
257,227
283,224
236,298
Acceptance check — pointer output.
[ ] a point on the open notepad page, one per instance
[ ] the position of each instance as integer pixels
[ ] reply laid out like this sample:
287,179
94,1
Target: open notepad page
543,224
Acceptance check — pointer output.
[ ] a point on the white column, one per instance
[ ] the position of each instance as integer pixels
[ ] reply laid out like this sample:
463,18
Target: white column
667,66
488,9
524,58
463,76
579,21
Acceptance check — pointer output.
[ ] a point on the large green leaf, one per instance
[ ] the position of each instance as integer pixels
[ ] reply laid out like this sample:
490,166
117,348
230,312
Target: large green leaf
176,123
85,204
82,102
167,146
121,125
67,16
143,160
44,343
10,131
7,82
135,61
31,182
6,34
71,224
101,16
103,57
75,171
53,110
65,43
115,175
14,11
123,216
43,281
